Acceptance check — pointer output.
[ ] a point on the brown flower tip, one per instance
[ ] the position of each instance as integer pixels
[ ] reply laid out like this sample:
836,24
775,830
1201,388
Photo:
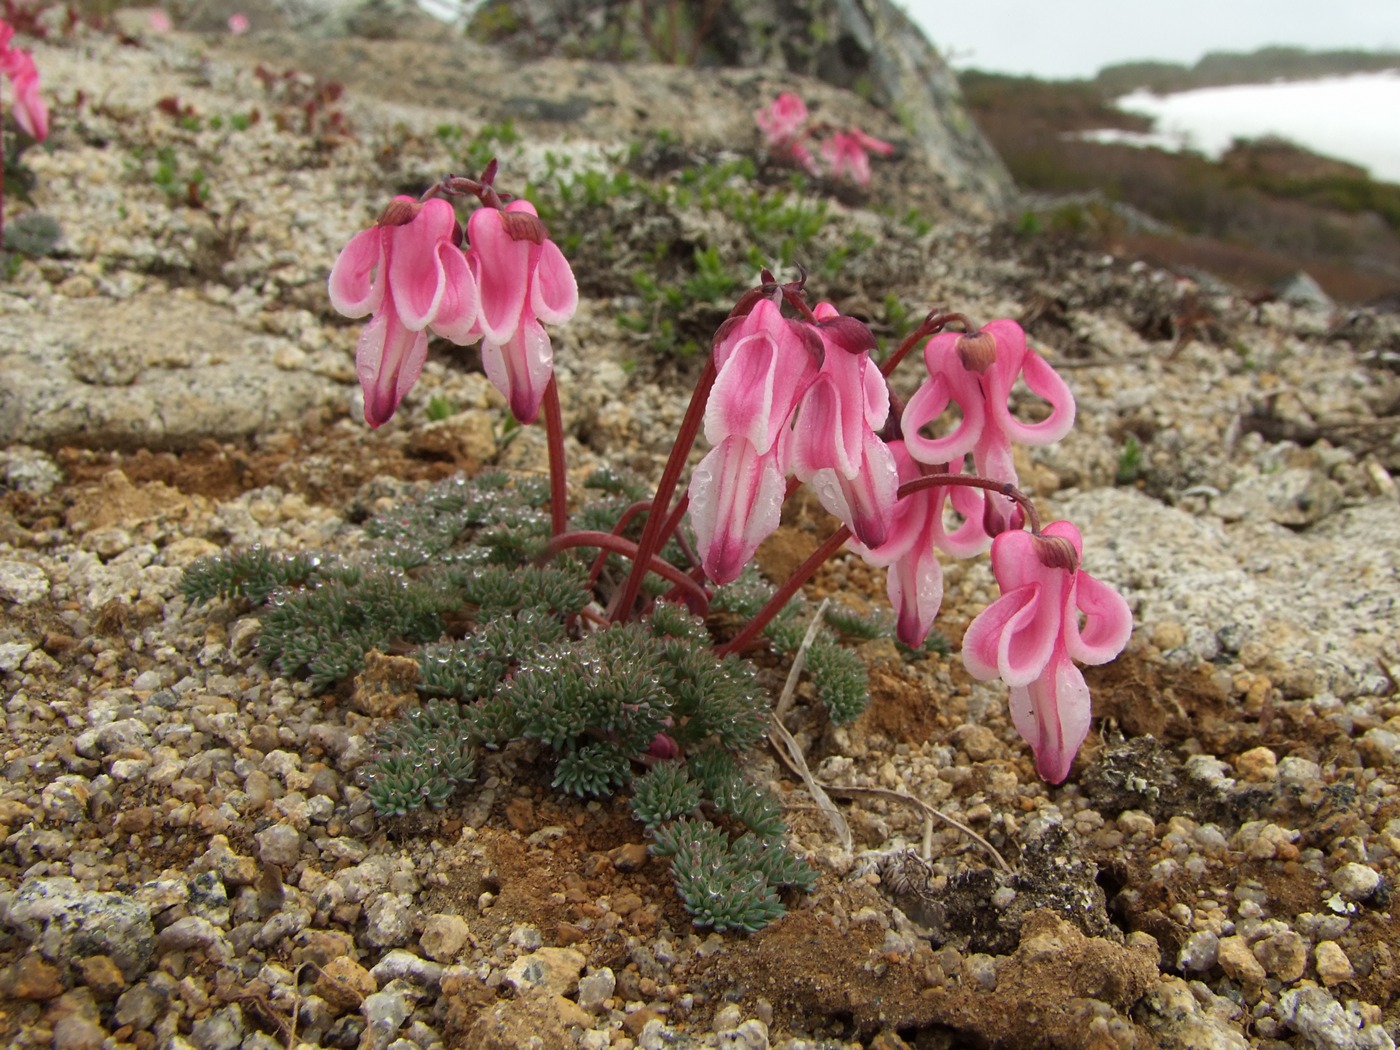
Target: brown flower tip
400,212
522,226
976,350
849,334
1056,552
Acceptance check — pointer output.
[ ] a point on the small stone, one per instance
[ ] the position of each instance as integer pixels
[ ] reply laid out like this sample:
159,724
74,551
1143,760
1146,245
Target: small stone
75,1032
1283,956
1258,765
554,971
344,984
596,988
22,583
444,936
631,856
538,1020
1299,774
1200,952
280,844
32,978
978,741
1356,881
1333,966
389,920
384,1013
101,974
401,965
67,922
140,1006
1239,962
222,1030
1325,1023
749,1035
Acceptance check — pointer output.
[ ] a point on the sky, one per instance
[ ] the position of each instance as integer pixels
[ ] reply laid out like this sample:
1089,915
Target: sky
1075,38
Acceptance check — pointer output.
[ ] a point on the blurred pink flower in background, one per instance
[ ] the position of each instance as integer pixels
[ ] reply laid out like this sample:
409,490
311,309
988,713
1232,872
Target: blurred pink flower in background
160,21
31,113
238,23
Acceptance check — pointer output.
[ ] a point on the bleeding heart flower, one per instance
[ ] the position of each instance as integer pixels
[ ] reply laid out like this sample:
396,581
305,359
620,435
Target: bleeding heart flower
524,279
1030,636
782,122
408,271
31,113
977,374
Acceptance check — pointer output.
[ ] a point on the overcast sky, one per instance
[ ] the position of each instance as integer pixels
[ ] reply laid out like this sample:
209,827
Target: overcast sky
1074,38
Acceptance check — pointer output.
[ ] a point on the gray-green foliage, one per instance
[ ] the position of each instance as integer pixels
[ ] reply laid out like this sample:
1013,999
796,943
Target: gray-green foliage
426,756
838,674
729,883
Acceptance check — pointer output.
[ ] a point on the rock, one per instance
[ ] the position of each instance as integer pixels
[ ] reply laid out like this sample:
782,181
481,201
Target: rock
747,1035
1283,956
1301,289
75,1032
68,923
344,984
596,988
385,1012
140,1006
1326,1025
554,971
444,936
22,583
1332,965
1200,952
404,965
1293,496
1177,1020
1239,962
1356,881
102,975
280,845
388,920
1258,764
222,1030
32,978
193,932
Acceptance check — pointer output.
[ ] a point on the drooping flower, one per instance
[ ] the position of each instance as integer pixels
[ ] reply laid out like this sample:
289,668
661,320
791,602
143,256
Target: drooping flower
782,122
910,551
846,155
524,279
764,363
1030,636
836,449
976,373
31,112
409,273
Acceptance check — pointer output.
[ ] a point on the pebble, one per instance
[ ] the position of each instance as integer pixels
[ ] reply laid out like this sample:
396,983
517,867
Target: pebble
400,964
74,1032
1257,765
385,1012
1200,952
388,920
32,978
56,915
280,844
550,970
344,984
22,583
1284,956
1356,881
444,937
222,1030
596,988
1333,966
1239,962
1326,1025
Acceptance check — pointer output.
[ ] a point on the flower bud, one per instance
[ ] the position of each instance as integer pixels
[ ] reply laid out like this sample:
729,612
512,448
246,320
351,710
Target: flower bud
522,226
1055,552
976,350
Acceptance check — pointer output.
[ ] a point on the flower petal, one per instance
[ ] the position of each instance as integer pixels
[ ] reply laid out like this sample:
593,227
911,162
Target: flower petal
736,500
1053,715
1108,622
553,290
501,266
388,360
455,318
915,587
520,368
356,284
1009,639
416,278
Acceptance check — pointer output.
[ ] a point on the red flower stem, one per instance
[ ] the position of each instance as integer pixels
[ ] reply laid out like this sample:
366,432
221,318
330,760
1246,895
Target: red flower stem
653,533
558,470
622,523
607,541
973,481
933,324
784,594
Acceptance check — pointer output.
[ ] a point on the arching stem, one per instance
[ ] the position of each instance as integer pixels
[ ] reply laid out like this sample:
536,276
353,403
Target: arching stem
607,541
973,481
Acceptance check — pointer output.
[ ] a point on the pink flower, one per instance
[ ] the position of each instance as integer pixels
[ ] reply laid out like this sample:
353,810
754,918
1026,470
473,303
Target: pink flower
765,363
976,373
31,113
524,279
408,271
160,21
1031,634
835,446
782,122
845,158
238,23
